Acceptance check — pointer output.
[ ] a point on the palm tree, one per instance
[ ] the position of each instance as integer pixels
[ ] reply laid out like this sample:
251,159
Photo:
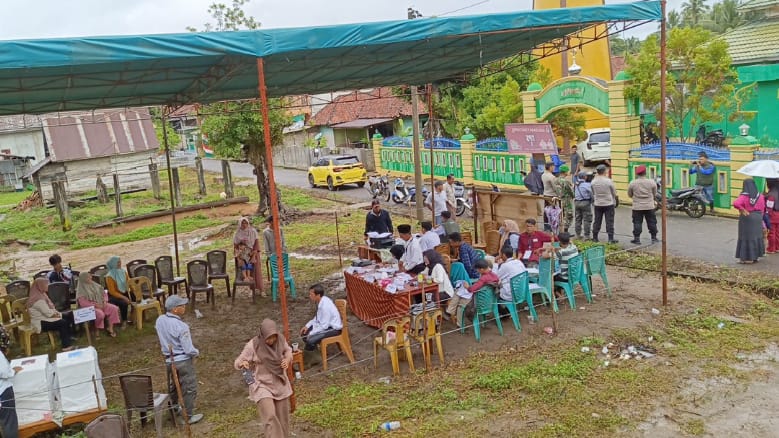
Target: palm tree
725,16
694,11
672,20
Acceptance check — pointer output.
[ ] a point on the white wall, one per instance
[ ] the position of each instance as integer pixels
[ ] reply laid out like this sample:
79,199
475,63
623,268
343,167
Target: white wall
24,143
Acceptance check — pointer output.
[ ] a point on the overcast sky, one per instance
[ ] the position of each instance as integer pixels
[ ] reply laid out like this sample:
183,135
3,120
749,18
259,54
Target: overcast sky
27,19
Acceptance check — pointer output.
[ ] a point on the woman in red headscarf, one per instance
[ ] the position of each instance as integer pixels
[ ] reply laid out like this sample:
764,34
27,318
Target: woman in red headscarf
44,316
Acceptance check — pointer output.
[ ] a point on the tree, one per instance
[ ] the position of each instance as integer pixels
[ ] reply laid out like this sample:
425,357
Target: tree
624,46
235,129
174,139
725,16
694,11
700,85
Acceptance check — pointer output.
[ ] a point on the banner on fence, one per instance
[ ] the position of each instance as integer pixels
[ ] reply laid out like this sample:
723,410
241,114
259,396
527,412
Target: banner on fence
530,138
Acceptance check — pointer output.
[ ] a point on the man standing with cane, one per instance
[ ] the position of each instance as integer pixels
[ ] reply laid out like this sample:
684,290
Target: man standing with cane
179,352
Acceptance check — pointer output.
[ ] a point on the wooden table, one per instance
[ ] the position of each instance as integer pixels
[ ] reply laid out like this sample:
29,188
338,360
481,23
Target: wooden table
374,305
31,429
368,253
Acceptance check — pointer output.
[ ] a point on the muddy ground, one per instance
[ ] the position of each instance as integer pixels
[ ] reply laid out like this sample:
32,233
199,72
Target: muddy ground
727,407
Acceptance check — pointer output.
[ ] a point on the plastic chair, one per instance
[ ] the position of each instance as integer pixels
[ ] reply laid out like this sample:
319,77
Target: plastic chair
595,263
274,272
139,396
131,265
24,328
486,305
164,265
197,277
575,276
519,294
480,253
341,340
155,291
544,286
107,425
137,286
59,294
433,333
98,274
217,267
41,274
18,289
239,281
7,318
401,340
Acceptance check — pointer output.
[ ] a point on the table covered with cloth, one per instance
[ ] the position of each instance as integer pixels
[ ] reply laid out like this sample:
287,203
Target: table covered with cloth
374,305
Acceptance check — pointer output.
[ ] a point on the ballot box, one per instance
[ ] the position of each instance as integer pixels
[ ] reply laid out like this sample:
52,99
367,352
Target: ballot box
34,389
79,381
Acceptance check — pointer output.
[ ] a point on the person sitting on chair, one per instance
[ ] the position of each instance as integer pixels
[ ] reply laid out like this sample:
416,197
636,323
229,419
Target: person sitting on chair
327,321
411,261
58,273
245,261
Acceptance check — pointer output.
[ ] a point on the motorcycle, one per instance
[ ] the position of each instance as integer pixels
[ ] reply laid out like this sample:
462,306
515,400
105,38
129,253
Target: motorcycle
691,200
378,186
412,194
714,138
462,202
400,191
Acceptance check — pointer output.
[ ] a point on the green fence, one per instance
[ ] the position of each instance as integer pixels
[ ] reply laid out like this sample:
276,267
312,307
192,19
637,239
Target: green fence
498,168
401,159
678,176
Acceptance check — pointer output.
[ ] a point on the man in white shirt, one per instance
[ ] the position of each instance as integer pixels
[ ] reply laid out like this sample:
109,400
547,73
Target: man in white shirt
548,179
451,201
326,323
508,269
429,238
411,261
437,203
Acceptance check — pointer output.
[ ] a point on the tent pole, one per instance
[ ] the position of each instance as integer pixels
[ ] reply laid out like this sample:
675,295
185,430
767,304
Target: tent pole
429,90
663,134
170,187
274,200
418,182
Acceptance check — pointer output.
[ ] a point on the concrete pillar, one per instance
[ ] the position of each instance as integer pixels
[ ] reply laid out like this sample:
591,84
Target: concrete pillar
529,114
376,140
467,147
625,135
742,152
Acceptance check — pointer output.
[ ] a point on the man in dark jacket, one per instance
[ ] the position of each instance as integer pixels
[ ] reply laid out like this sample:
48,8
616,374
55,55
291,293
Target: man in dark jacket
533,181
378,220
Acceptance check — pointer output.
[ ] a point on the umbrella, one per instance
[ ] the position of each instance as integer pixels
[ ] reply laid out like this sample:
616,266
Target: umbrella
763,168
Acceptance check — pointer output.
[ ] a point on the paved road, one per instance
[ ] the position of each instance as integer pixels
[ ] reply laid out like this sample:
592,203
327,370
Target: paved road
711,239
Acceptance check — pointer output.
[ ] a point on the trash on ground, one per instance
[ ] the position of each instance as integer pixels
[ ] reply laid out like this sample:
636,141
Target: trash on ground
655,311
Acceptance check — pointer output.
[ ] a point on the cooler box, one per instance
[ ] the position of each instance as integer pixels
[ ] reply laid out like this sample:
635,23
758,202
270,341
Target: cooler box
34,389
74,371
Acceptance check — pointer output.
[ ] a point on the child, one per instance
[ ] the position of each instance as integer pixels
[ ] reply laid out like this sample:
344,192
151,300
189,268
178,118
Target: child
245,256
463,297
566,251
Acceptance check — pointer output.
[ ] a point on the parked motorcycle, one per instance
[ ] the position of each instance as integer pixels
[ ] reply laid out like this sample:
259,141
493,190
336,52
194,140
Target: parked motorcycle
412,194
691,200
378,186
399,191
462,201
714,138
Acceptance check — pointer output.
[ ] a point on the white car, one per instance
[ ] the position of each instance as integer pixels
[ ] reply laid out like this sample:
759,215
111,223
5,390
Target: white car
596,146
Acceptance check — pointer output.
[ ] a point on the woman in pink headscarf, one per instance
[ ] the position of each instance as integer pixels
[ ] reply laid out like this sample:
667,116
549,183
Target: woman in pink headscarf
247,237
44,316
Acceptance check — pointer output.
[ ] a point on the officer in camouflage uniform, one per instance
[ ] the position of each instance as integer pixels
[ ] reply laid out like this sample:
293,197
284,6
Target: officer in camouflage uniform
564,190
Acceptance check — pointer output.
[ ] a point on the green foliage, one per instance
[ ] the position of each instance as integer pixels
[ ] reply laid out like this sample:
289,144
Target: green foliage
624,46
700,85
228,18
174,139
694,11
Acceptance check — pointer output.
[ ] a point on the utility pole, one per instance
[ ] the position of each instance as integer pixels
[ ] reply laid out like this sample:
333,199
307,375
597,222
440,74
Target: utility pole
415,139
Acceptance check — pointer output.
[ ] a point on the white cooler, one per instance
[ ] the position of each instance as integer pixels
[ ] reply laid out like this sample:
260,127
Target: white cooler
34,389
74,371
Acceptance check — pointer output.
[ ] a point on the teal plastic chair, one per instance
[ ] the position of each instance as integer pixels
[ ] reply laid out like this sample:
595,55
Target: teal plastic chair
519,293
575,271
274,274
486,305
481,253
544,285
595,264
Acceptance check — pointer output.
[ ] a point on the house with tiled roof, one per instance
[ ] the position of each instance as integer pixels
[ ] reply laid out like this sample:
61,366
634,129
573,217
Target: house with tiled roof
350,120
754,50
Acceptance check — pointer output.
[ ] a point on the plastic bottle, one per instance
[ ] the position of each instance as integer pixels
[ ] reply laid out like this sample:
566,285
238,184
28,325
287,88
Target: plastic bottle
389,426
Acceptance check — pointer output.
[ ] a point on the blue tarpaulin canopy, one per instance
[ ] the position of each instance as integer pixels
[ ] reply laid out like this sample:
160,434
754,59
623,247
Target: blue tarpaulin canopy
38,76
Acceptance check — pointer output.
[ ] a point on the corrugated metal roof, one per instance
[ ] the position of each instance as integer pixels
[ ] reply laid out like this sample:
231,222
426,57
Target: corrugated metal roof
361,123
753,43
753,5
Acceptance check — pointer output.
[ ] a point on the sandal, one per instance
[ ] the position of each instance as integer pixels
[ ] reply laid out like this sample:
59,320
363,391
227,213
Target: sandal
112,334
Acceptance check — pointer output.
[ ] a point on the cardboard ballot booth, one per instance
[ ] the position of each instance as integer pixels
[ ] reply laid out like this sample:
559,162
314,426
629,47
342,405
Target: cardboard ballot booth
51,395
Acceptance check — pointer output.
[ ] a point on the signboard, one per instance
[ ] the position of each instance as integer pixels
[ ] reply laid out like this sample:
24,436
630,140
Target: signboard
84,314
572,93
530,138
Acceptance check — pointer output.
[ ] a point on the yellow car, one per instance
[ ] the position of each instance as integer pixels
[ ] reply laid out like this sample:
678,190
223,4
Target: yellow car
337,170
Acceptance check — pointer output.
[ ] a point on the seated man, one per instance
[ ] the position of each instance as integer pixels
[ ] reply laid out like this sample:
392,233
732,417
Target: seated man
462,298
58,274
508,268
412,260
447,227
564,253
429,238
531,242
327,321
468,255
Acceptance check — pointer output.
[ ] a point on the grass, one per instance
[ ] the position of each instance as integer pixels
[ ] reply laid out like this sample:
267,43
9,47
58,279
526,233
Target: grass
9,200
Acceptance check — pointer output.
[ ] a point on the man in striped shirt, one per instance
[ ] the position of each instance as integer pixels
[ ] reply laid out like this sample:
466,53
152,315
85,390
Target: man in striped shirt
564,253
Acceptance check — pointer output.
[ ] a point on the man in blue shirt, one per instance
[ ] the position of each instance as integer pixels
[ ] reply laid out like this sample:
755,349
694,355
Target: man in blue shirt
468,255
704,170
176,342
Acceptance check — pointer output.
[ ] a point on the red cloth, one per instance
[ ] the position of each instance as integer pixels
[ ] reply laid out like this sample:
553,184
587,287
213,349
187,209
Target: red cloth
373,305
532,242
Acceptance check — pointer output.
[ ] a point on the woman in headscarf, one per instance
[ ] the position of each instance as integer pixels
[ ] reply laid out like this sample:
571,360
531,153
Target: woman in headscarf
751,205
772,209
44,316
247,236
436,271
268,356
89,293
509,235
9,422
116,283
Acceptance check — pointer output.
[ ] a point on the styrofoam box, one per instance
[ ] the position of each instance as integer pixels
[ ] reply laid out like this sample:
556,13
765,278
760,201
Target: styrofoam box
34,389
75,371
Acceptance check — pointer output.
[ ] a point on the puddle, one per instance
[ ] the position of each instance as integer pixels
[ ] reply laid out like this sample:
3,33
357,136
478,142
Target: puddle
188,245
310,257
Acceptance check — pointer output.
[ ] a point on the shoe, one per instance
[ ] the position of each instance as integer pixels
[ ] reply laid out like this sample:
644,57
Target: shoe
195,418
613,241
636,241
655,240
